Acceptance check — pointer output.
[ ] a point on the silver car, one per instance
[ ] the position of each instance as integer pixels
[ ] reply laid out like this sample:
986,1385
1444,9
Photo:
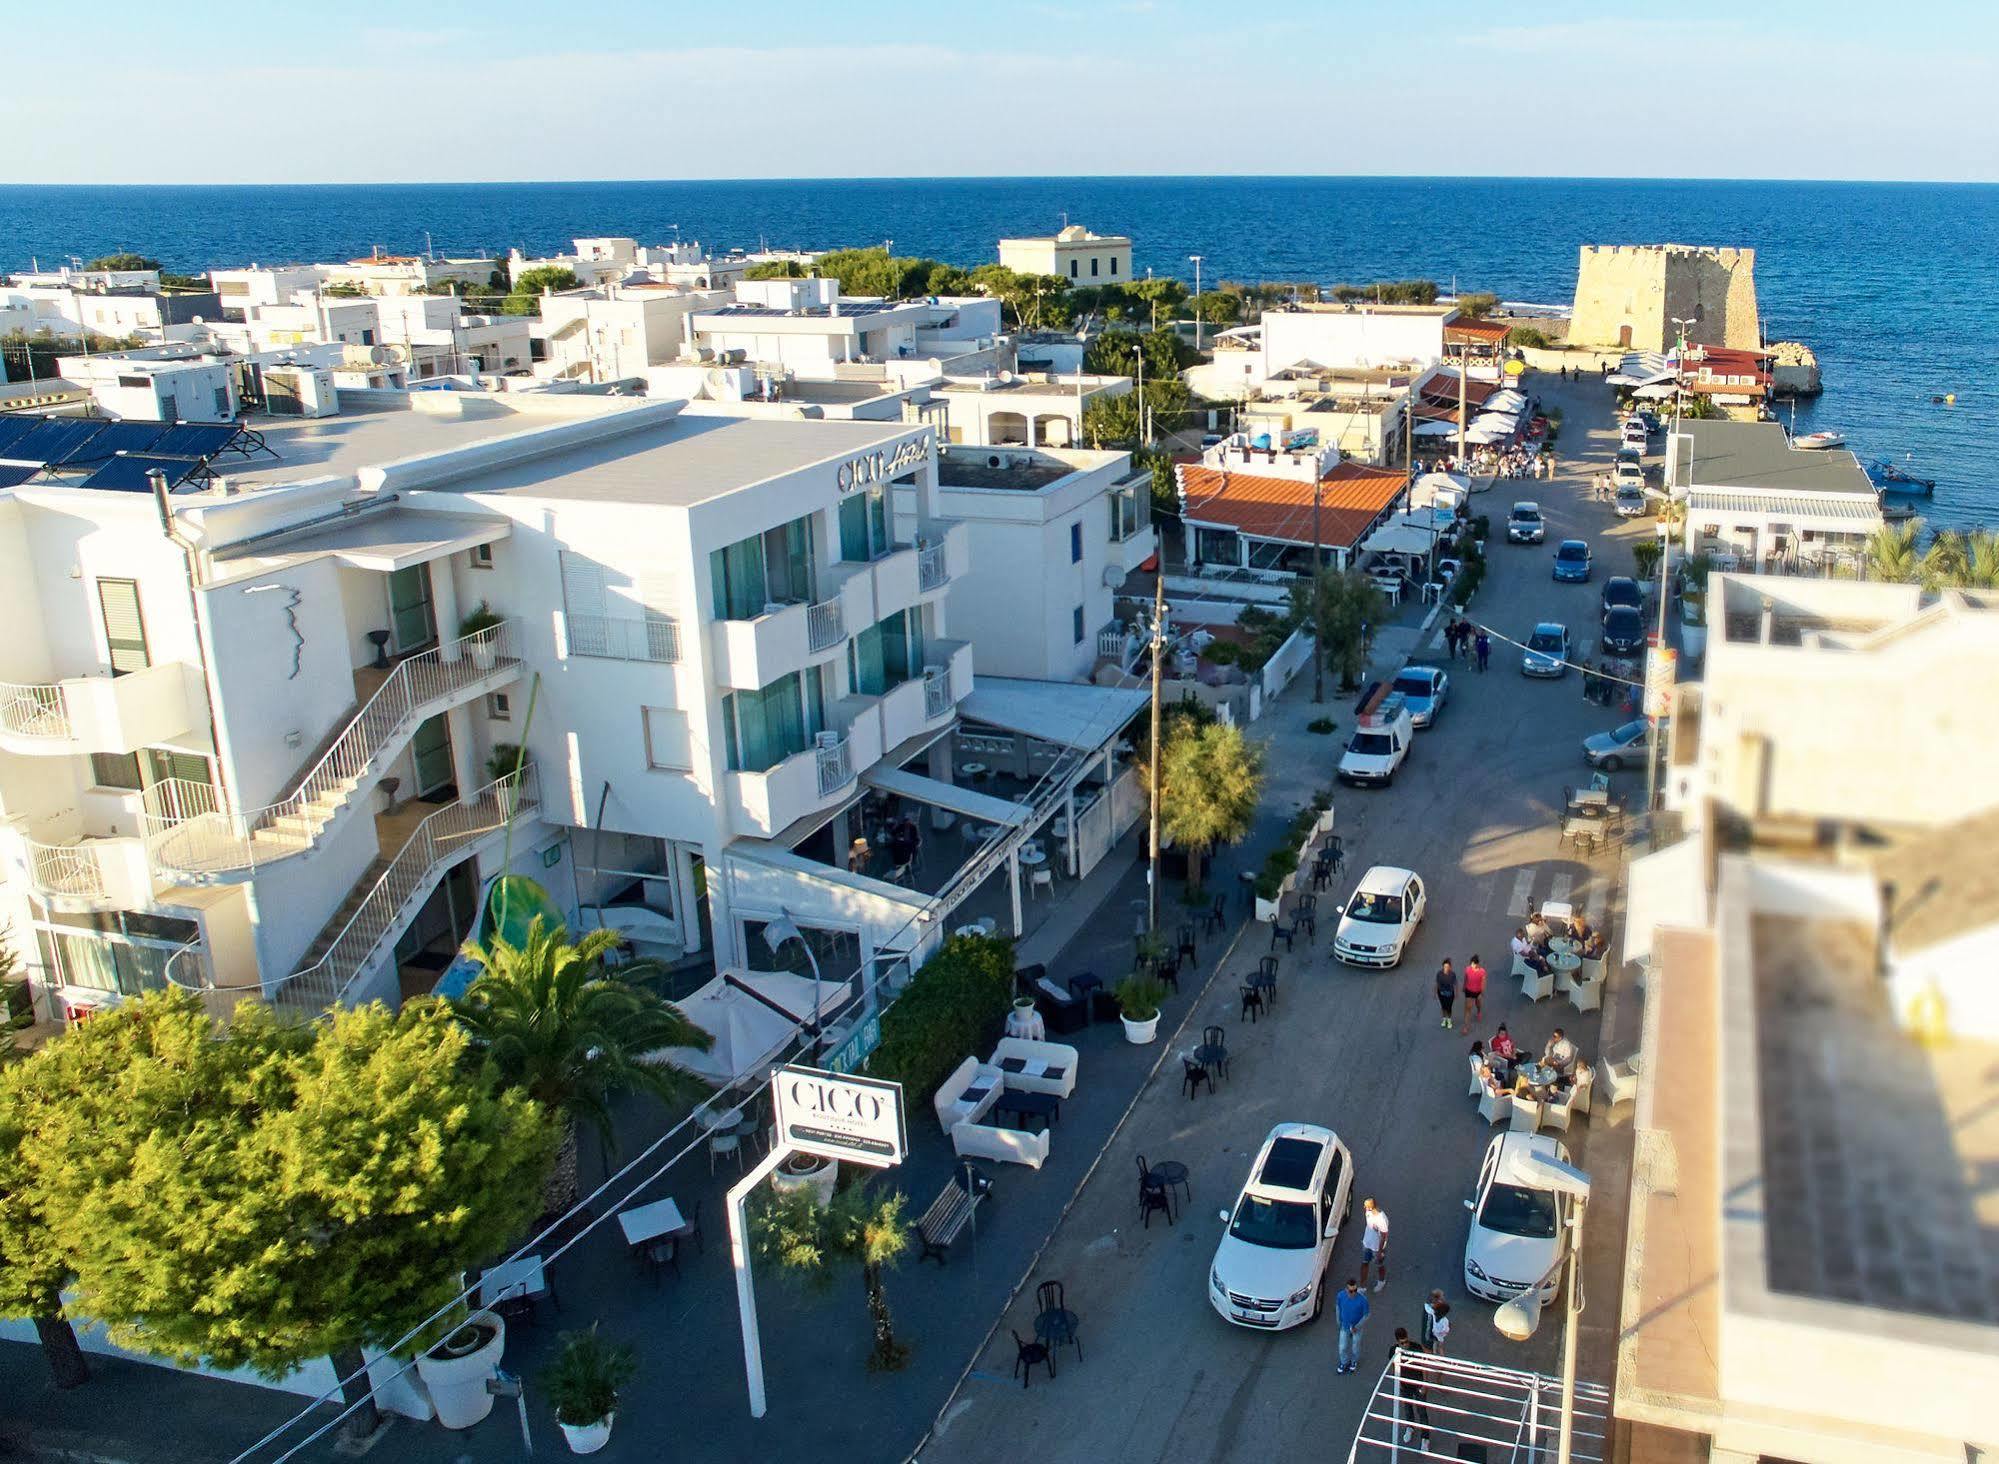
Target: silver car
1424,690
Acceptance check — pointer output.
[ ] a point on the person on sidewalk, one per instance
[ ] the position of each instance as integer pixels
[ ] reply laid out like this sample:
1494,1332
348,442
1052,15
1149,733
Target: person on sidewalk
1374,1243
1474,991
1351,1307
1447,990
1484,651
1414,1395
1436,1322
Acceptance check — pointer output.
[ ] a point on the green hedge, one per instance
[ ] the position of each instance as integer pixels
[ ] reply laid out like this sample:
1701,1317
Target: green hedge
949,1012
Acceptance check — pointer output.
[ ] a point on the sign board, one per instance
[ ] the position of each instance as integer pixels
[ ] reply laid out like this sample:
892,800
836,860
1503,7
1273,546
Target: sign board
837,1116
854,1051
1659,676
880,467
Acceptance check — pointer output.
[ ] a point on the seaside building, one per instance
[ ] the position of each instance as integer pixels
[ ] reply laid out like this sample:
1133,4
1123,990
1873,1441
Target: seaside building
71,307
1755,501
1629,295
1006,408
1248,510
267,285
408,274
1311,337
1074,254
1813,1102
614,332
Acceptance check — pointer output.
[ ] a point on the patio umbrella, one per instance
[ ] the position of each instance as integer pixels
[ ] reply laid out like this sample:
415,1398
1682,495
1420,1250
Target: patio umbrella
746,1030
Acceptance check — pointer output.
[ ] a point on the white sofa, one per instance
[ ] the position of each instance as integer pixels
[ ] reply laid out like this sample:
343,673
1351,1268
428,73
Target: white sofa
1008,1146
1036,1067
968,1095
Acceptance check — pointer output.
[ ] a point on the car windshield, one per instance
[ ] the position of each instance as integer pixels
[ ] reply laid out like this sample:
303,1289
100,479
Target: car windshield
1279,1224
1630,731
1511,1210
1573,551
1413,685
1545,640
1376,909
1526,516
1623,620
1373,744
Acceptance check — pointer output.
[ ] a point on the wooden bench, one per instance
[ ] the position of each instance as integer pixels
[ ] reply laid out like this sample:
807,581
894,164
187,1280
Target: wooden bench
950,1213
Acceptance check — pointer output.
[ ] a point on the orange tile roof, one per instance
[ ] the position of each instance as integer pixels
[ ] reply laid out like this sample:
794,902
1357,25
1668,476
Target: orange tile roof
1351,499
1490,331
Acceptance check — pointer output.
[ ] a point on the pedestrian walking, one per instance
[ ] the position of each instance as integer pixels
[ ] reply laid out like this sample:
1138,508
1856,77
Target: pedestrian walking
1474,991
1447,990
1413,1396
1436,1322
1351,1307
1374,1243
1484,651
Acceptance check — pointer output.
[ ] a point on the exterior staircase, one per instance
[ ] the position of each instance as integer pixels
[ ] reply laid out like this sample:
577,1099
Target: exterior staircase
192,837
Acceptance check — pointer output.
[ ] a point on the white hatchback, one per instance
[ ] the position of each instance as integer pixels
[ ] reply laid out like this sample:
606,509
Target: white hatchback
1380,917
1519,1223
1269,1271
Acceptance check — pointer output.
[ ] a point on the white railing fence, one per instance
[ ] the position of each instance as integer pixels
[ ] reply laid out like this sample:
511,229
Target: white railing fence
33,711
932,567
836,767
60,869
625,637
936,693
825,625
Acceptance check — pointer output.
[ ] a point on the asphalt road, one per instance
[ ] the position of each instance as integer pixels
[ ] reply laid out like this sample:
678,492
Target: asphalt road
1162,1376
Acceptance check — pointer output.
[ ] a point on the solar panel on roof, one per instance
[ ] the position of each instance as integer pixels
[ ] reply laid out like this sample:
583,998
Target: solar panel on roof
49,440
113,438
194,439
126,473
12,473
13,429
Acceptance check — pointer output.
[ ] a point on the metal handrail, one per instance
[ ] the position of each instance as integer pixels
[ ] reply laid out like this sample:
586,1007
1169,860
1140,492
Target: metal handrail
187,828
836,767
933,568
625,637
34,711
825,625
936,693
65,869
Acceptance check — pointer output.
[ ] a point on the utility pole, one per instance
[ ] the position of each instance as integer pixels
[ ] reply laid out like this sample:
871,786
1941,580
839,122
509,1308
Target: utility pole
1158,655
1462,362
1318,589
1197,300
1665,554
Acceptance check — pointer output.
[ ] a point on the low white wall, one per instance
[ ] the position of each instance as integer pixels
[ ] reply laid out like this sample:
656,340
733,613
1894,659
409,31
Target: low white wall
1291,658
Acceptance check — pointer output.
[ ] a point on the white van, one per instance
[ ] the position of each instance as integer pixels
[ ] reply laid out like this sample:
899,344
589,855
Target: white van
1380,739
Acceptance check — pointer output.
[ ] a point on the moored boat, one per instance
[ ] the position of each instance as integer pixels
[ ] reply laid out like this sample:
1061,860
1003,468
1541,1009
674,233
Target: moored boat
1889,478
1819,441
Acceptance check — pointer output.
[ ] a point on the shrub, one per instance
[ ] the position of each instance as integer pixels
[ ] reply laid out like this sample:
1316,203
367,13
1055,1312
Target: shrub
1645,556
1528,336
588,1373
1138,997
1324,726
1222,653
1481,526
1468,582
950,1009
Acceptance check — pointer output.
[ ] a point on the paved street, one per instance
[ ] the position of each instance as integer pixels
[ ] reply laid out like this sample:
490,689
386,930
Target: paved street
1474,811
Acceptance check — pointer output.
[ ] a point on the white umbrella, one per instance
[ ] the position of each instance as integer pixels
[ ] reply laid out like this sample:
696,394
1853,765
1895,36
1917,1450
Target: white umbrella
1436,429
751,1015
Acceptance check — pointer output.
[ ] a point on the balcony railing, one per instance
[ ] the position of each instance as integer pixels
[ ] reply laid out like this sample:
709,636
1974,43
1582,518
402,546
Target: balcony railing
66,869
836,767
932,567
625,638
825,625
937,693
34,711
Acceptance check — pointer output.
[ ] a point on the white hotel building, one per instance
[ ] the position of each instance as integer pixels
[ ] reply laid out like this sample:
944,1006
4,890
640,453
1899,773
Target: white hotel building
248,746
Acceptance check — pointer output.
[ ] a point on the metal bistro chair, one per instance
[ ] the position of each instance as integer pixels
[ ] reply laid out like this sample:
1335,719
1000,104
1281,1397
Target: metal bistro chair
1152,1195
1027,1355
1252,1004
1167,972
1187,950
1192,1075
1217,917
1054,1323
1307,916
1215,1049
1281,931
1322,870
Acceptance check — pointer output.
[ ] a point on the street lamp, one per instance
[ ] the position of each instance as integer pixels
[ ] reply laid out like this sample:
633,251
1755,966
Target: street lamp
1517,1319
1197,300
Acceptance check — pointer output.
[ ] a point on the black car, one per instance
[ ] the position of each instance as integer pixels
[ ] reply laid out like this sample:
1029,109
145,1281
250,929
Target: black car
1623,631
1622,589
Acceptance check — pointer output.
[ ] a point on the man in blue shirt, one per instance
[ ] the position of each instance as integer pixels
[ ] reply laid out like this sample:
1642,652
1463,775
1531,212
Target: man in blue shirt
1351,1305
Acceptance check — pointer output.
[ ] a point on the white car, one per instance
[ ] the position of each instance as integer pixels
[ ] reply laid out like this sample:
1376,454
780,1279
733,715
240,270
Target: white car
1269,1272
1519,1224
1380,918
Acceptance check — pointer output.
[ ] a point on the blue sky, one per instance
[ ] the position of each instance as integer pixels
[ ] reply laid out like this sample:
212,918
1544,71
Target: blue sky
290,91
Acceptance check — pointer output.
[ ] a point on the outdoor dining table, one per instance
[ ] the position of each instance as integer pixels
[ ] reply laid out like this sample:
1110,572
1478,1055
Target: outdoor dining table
517,1281
1590,798
1032,857
1562,945
1263,980
1565,960
1211,1055
1538,1076
1172,1174
650,1222
1025,1104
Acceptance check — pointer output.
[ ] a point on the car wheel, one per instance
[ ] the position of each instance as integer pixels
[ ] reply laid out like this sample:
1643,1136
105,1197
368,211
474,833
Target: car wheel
1611,764
1346,1210
1318,1302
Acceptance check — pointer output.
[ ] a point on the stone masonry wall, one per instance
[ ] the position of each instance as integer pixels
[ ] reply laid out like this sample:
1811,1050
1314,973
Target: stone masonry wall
1643,286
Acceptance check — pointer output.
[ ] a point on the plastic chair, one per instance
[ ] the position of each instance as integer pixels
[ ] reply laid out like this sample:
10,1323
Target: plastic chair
1167,972
1027,1355
725,1142
1192,1075
1252,1004
1187,949
1525,1116
1267,966
1052,1316
1280,931
1217,916
1041,879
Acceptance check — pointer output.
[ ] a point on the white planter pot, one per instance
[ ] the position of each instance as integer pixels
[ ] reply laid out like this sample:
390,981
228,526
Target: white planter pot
457,1384
484,655
588,1438
1140,1033
1266,910
1325,823
1289,883
820,1181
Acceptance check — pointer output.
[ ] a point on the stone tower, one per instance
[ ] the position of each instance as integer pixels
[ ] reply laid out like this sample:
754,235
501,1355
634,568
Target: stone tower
1628,294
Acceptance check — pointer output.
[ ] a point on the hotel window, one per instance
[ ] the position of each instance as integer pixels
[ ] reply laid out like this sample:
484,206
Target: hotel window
763,728
864,531
124,626
1113,265
1093,266
1076,623
118,770
1072,269
668,748
774,567
1076,543
887,653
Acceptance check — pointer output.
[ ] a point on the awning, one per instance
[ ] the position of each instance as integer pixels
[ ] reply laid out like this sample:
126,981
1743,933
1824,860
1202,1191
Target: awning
1400,536
1657,392
1665,887
384,540
1064,713
1436,429
1836,512
939,794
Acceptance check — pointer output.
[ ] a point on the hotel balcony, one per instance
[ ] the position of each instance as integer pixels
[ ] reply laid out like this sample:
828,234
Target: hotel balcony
808,782
927,702
74,871
84,714
753,653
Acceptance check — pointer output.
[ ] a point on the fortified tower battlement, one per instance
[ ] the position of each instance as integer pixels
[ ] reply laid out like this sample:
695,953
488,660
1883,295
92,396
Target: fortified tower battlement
1628,294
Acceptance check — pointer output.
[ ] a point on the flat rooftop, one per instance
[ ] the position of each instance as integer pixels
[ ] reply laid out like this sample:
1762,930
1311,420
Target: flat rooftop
1759,455
1025,476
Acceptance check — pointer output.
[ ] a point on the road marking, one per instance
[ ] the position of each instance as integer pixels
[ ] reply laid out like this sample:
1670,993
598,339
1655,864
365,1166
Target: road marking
1559,887
1523,886
1483,900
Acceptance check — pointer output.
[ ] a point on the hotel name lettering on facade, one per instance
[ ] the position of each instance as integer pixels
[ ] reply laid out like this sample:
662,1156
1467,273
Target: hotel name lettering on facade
880,467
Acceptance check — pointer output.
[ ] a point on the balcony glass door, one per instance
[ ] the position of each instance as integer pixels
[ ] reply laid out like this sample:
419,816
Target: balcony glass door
430,750
410,613
766,727
864,525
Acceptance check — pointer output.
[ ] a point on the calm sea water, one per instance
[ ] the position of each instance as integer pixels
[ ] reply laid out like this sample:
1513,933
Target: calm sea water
1893,285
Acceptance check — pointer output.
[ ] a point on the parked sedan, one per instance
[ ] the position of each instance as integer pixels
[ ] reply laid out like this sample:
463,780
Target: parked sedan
1622,589
1609,751
1623,631
1380,918
1572,561
1547,652
1424,690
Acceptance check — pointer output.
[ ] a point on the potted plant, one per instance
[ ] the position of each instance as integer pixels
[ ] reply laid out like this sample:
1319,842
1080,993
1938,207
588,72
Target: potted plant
454,1370
1138,1008
485,650
807,1172
1269,895
504,761
583,1384
1322,805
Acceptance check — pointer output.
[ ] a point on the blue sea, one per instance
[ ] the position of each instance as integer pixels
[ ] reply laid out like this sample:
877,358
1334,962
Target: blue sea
1893,285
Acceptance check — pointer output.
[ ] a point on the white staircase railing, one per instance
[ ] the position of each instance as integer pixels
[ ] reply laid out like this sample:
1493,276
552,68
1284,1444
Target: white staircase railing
188,830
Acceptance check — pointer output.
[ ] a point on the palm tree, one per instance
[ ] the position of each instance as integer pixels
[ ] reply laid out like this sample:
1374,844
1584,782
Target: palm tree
1891,553
553,1021
1212,777
1946,561
1981,560
807,1238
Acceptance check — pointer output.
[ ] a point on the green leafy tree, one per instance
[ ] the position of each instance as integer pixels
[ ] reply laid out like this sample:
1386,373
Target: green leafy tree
1981,563
525,296
552,1020
1528,337
1946,561
860,1226
1211,777
34,1270
266,1194
1219,307
1349,607
1477,304
775,269
1036,302
123,260
1112,421
1163,298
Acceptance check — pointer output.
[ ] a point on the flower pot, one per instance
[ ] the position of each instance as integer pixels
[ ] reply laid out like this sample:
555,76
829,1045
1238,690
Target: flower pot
455,1370
807,1172
485,655
1325,825
1266,910
588,1438
1140,1033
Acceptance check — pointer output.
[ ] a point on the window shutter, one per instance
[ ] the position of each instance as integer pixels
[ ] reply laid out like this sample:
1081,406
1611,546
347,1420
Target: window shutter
124,626
583,605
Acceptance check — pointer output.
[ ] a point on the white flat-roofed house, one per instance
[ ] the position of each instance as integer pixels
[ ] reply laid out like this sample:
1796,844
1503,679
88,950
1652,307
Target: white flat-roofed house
1074,253
1003,408
241,290
1310,337
807,327
1756,502
707,634
616,331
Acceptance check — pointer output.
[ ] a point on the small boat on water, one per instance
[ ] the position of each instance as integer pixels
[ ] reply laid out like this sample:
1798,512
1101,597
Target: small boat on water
1890,478
1894,512
1819,441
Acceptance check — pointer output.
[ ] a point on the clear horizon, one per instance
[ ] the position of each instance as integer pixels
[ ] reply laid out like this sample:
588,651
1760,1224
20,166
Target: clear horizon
497,93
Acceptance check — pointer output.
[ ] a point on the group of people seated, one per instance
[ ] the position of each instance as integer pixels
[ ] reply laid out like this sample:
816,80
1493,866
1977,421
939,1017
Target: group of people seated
1499,1066
1530,941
